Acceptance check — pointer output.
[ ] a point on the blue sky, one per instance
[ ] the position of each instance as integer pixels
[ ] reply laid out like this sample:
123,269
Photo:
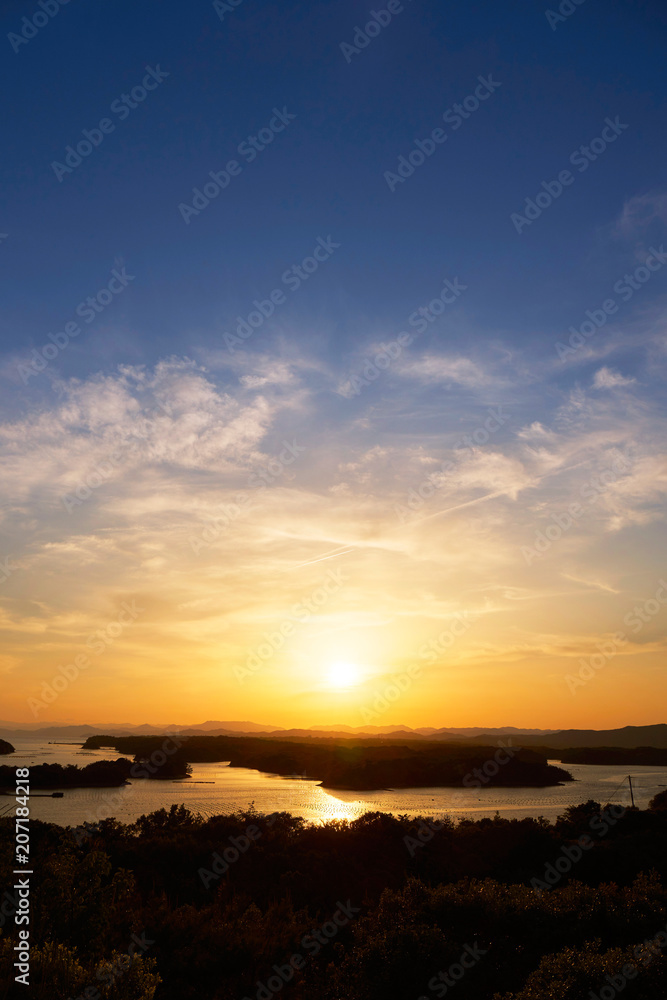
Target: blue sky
324,174
160,341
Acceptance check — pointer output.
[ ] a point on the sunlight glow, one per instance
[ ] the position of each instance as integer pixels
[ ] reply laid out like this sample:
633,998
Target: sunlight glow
343,674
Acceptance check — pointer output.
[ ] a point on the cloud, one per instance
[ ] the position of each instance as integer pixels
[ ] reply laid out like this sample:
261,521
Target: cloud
171,415
537,432
641,212
284,367
606,378
490,470
191,440
433,369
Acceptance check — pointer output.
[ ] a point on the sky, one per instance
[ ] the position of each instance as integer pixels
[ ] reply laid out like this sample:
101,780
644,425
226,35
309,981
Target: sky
332,358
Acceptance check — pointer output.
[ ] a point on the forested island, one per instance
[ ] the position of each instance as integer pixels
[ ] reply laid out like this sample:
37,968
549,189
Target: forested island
6,748
99,774
357,764
247,906
621,756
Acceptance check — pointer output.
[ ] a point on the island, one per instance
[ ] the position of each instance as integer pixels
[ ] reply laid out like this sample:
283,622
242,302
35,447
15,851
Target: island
6,748
99,774
355,764
617,756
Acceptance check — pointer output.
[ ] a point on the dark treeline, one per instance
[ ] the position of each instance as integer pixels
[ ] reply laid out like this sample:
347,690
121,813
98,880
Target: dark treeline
618,756
358,764
175,907
98,774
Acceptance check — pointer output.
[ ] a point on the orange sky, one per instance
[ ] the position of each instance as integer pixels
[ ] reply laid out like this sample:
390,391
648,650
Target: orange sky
164,596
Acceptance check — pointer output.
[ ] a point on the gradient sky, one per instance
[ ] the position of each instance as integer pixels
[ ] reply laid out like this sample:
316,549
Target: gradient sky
143,490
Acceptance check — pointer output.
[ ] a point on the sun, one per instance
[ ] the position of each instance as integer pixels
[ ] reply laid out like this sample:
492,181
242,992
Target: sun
343,674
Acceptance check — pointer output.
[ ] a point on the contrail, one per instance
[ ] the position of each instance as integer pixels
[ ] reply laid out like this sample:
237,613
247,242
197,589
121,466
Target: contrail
500,493
460,506
345,549
342,551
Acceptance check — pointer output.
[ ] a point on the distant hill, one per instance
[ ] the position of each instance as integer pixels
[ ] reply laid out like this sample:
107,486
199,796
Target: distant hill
502,731
364,729
347,733
431,731
236,727
214,728
50,733
628,736
30,731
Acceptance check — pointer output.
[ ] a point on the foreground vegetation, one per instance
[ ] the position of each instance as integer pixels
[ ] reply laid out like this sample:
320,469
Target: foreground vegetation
175,907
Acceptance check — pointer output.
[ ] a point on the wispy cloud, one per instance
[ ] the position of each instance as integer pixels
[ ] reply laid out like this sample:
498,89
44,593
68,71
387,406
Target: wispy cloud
437,369
607,378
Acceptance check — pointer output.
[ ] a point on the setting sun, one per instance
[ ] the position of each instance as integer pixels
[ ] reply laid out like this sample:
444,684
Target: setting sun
333,519
343,674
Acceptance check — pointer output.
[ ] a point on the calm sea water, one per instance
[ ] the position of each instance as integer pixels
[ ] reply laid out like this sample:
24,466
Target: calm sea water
217,788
